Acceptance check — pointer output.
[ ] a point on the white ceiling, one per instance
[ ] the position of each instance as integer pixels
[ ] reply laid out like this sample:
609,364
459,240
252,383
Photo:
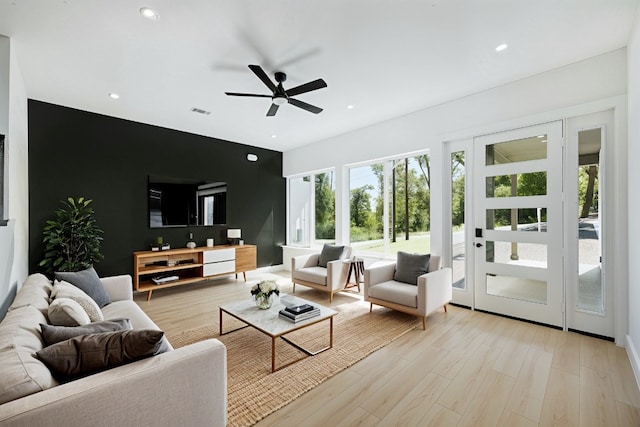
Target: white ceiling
385,57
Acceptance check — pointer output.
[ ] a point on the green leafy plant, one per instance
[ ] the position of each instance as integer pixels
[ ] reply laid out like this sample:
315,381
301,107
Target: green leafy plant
72,239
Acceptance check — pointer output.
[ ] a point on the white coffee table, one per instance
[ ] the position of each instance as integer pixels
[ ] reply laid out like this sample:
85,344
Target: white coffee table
269,323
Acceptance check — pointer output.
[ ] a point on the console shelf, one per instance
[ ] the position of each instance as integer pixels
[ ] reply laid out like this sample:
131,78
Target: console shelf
190,265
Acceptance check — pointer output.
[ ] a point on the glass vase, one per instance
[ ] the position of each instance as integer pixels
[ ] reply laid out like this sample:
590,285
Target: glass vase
263,302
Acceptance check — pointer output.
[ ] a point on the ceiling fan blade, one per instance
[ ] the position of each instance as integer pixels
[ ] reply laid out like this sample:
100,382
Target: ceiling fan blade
273,110
311,108
307,87
258,71
254,95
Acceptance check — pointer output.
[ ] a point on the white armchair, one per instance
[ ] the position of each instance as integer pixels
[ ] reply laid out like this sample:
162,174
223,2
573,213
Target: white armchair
305,270
433,289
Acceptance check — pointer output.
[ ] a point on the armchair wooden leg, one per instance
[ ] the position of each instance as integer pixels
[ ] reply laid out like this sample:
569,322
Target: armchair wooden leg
424,323
330,297
294,287
370,307
445,308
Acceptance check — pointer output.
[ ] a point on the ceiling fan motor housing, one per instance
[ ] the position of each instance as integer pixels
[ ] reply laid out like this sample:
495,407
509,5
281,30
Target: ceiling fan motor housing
280,76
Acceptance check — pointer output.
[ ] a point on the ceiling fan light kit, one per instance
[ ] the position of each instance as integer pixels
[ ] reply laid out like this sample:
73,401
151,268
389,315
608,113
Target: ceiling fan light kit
279,96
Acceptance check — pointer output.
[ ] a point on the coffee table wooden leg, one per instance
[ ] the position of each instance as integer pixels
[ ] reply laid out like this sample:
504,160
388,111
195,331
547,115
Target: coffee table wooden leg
220,323
331,332
273,354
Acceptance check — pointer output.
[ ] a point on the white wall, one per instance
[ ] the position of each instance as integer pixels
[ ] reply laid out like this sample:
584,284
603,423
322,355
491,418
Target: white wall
13,123
633,339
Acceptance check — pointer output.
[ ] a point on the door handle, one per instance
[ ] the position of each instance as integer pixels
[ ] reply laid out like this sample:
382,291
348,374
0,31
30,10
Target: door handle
478,245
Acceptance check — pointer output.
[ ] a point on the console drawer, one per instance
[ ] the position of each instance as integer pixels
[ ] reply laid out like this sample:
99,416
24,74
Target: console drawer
222,267
218,255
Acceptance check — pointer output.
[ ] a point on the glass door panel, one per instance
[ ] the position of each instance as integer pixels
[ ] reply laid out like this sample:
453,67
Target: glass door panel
518,220
458,240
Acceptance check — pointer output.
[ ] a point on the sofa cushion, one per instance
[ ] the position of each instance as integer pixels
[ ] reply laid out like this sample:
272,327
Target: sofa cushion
67,312
89,282
35,291
329,253
21,373
312,274
63,289
54,334
397,292
410,266
88,354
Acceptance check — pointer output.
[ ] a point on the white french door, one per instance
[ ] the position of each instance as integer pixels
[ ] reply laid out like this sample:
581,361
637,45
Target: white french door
517,231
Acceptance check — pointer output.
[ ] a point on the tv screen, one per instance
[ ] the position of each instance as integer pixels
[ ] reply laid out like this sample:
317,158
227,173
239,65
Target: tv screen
177,202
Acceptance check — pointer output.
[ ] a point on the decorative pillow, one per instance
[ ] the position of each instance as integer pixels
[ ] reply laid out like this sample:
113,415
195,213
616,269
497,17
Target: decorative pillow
67,290
410,266
67,312
88,354
89,282
329,253
55,334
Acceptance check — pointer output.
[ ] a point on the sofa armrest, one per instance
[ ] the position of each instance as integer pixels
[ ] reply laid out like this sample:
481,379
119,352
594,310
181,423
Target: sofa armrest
119,288
189,383
303,261
434,290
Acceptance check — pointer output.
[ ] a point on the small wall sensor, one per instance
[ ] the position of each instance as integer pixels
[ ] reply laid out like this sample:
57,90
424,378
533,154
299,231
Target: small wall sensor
252,157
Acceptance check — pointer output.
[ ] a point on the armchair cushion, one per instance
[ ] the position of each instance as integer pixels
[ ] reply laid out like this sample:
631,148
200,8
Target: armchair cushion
393,291
410,266
329,253
312,274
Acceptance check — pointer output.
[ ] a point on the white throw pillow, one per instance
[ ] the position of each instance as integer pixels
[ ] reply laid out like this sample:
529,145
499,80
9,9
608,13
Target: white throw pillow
67,312
62,289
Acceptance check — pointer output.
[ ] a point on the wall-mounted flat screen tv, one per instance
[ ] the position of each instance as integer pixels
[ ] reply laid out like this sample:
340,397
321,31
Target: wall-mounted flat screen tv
178,202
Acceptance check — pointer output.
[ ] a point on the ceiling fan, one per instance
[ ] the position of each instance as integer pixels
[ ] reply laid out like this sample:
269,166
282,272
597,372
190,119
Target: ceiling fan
281,96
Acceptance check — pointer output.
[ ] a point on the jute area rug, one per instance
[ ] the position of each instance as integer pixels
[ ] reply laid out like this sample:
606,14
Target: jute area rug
254,392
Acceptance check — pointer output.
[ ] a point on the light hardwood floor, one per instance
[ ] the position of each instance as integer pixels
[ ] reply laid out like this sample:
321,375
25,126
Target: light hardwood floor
467,369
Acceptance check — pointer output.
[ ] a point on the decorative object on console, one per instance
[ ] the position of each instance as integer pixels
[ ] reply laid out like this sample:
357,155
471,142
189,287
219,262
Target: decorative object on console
191,244
263,293
234,235
210,243
72,239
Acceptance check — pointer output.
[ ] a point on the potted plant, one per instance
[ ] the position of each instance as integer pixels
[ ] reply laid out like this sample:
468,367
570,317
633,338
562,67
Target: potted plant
72,239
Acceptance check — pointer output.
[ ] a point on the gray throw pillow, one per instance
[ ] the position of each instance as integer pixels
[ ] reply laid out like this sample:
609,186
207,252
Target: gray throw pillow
329,253
410,266
54,334
89,282
88,354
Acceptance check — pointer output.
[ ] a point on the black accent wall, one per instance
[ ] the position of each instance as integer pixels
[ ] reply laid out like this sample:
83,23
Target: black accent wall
75,153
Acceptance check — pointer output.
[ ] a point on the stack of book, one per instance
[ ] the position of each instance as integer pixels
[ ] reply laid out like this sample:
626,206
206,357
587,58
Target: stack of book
297,313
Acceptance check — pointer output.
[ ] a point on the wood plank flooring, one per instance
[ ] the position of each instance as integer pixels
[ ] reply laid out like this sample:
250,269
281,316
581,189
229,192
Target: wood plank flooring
467,369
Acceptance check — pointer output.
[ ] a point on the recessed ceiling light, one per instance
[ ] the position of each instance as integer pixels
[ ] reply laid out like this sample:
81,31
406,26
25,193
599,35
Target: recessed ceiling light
501,47
114,96
149,13
274,136
540,136
350,107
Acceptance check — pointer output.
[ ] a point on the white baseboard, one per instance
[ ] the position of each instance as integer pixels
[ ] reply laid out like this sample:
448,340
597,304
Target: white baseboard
633,358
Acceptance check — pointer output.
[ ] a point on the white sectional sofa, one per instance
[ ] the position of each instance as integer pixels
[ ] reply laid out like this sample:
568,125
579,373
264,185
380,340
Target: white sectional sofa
186,386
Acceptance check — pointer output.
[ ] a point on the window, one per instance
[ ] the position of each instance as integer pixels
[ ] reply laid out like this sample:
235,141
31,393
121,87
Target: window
319,199
389,206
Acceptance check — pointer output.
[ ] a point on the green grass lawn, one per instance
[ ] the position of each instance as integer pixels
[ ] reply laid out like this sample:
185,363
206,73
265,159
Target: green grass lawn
417,243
